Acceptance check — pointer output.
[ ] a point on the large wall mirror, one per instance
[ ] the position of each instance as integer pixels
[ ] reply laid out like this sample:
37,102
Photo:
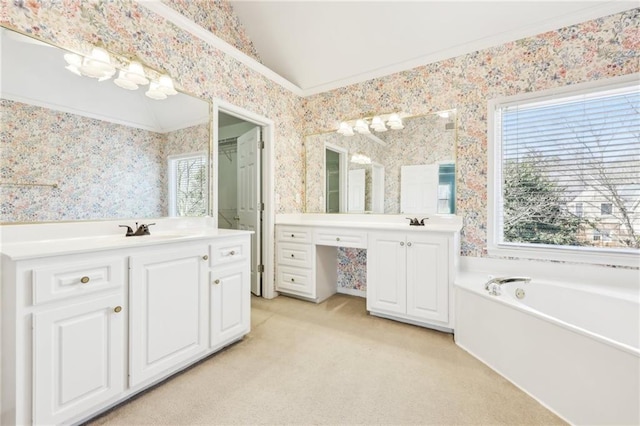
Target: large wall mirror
409,170
76,148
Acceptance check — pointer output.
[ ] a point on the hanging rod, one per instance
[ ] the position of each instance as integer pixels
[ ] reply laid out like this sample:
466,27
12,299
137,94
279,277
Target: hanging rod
52,185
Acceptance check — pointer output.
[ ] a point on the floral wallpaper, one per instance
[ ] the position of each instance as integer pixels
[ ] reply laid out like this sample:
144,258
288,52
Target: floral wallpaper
39,145
593,50
219,18
128,28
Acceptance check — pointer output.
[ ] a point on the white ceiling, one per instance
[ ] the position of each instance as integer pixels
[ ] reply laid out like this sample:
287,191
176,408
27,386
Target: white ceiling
322,45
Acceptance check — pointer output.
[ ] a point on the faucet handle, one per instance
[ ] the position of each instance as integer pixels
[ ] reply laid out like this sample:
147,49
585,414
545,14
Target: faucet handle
129,230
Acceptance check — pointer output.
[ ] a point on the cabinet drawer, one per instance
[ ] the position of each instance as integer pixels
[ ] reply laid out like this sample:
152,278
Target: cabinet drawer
341,238
295,280
294,234
224,252
300,255
76,279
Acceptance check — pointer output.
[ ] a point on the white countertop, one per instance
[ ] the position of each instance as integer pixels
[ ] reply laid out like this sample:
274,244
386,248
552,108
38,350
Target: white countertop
433,223
21,242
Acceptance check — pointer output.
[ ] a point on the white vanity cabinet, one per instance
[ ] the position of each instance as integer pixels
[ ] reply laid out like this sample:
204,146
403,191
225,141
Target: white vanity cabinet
89,322
230,281
79,334
408,276
168,309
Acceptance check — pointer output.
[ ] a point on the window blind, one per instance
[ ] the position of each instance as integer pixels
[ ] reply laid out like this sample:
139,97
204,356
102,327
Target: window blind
570,170
191,186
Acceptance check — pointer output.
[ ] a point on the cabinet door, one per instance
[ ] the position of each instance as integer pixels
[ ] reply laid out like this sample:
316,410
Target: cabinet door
386,273
78,358
427,277
230,302
168,310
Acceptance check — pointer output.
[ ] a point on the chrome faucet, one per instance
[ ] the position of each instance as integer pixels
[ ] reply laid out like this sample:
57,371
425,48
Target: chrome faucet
143,229
493,285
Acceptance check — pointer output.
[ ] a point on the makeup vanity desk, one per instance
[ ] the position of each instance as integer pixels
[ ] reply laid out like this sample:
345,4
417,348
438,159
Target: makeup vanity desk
410,269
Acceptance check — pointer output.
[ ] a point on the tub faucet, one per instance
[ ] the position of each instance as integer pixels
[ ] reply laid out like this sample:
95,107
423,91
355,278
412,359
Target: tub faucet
493,285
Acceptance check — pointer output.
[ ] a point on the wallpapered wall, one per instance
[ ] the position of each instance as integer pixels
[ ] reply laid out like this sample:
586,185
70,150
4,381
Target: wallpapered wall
128,28
590,51
103,170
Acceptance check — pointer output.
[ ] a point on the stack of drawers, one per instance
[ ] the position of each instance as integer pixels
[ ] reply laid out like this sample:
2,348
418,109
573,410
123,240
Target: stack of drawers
295,258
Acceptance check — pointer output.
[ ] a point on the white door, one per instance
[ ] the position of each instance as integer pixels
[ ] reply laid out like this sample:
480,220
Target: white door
168,325
356,191
230,304
386,273
419,189
427,277
249,198
78,358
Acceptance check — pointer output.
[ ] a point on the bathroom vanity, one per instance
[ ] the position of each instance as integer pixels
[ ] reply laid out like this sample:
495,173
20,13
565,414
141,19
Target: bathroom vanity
91,317
410,269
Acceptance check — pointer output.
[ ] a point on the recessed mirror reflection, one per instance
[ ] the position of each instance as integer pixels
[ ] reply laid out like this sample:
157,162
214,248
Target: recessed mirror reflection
78,147
409,170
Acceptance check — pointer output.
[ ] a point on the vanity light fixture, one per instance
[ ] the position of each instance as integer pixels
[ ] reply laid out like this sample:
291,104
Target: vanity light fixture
378,123
360,159
98,65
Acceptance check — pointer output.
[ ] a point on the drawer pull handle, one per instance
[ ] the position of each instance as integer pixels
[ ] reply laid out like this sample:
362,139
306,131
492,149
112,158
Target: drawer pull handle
216,282
293,280
292,255
205,257
84,280
337,238
408,244
232,252
117,309
292,235
401,243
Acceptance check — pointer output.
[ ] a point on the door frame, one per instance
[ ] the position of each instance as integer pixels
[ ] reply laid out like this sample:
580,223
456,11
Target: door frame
267,159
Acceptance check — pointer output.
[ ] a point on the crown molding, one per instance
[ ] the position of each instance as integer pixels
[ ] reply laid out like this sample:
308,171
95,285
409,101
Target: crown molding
184,23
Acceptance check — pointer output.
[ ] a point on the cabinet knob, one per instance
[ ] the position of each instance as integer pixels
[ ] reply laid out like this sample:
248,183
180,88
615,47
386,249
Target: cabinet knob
117,309
409,244
292,280
337,238
205,257
216,282
232,252
84,280
402,243
292,255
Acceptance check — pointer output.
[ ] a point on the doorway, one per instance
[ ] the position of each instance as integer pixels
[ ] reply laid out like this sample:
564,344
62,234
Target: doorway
240,185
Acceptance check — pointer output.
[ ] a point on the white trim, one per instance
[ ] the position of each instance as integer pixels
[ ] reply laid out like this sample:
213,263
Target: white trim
589,255
207,36
352,291
268,193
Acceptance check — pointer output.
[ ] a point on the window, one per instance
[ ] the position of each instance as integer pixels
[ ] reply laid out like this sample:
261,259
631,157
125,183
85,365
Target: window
188,185
549,152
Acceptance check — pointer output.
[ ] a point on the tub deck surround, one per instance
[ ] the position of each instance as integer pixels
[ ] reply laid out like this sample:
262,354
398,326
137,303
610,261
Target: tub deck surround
571,342
409,269
91,317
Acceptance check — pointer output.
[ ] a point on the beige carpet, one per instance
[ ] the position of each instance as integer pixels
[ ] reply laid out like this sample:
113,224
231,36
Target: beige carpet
332,363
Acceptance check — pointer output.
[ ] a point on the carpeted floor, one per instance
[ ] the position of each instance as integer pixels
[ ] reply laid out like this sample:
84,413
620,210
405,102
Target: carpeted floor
333,363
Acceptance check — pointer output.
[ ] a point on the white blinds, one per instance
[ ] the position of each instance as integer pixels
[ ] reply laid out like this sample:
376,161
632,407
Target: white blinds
571,170
191,186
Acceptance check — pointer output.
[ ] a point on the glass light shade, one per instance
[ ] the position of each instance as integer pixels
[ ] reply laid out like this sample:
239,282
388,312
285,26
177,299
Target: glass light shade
154,92
378,125
74,69
360,159
124,82
395,122
100,59
73,59
361,127
166,85
344,128
135,74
